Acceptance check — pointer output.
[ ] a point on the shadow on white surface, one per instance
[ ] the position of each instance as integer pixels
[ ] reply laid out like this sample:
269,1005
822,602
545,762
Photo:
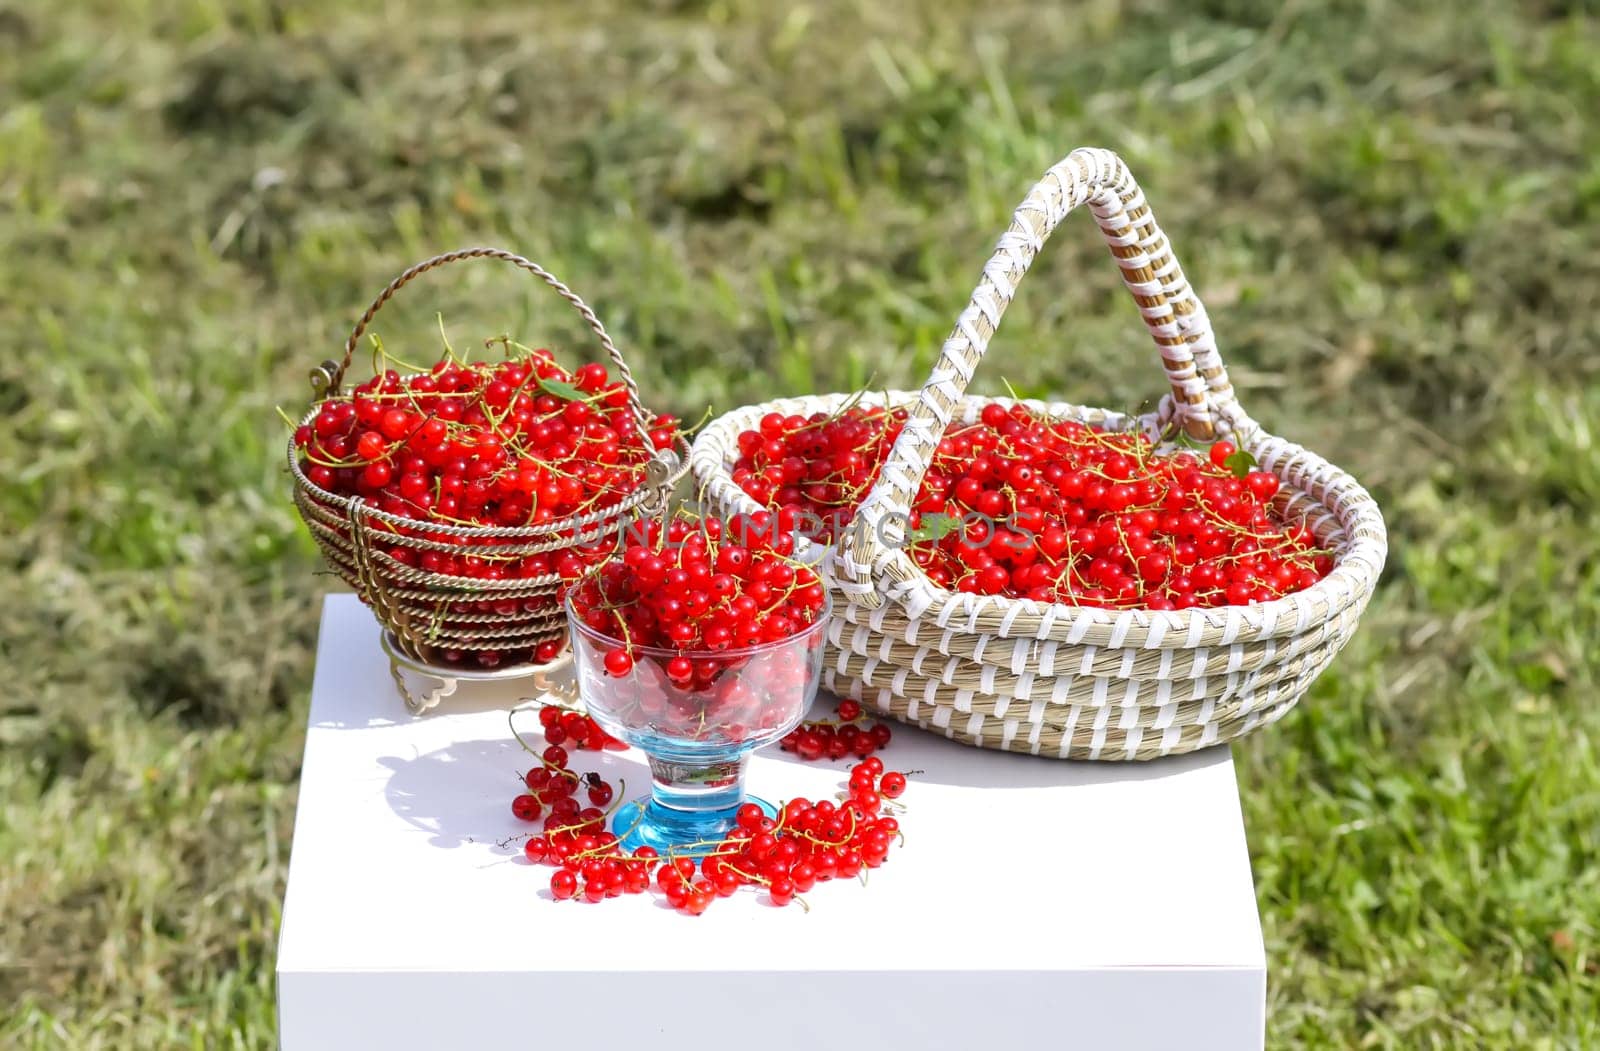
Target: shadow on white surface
470,698
460,794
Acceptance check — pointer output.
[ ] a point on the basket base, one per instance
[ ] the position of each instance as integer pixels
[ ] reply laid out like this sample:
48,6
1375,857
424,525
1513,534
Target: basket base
436,682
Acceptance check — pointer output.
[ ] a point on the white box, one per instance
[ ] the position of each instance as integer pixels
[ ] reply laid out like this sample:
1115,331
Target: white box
1034,902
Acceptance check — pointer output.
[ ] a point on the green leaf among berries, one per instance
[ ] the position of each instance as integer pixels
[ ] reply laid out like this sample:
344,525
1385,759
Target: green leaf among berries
561,389
935,526
1240,463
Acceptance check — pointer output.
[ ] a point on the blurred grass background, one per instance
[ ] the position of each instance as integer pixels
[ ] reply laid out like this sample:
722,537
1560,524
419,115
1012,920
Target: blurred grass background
1389,207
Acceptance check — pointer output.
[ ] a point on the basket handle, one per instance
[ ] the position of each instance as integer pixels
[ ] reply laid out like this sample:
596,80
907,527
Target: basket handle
330,376
1202,399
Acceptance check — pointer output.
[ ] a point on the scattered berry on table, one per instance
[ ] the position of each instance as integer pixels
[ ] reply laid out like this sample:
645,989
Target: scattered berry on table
840,738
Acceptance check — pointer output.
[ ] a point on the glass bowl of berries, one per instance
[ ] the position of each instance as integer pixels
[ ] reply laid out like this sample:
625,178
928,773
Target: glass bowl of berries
696,649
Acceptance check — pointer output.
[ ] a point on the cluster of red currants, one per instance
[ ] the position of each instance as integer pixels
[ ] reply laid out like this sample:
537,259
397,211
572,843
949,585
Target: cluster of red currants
1023,506
520,442
822,465
514,443
808,843
825,739
698,584
672,622
553,789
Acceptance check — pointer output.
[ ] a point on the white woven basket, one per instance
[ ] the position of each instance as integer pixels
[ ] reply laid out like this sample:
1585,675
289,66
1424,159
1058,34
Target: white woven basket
1063,680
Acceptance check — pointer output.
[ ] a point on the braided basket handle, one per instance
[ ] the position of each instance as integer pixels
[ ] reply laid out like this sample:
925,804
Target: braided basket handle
330,377
1202,399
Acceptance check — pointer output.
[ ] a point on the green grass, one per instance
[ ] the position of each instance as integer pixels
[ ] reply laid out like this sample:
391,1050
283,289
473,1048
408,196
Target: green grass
1390,208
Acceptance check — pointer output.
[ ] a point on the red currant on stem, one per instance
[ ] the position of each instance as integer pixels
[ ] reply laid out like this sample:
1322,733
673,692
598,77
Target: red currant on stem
619,663
563,885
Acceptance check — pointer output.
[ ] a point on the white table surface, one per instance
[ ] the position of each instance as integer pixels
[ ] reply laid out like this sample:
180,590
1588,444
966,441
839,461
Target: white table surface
1034,902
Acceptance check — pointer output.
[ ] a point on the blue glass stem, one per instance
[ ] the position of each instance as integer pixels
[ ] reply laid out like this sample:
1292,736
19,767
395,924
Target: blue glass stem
690,802
698,787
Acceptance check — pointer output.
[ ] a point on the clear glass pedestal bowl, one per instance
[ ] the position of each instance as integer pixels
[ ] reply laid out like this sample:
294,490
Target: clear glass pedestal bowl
698,736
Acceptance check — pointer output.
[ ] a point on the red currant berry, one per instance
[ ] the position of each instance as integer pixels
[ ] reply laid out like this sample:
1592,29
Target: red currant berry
564,885
619,663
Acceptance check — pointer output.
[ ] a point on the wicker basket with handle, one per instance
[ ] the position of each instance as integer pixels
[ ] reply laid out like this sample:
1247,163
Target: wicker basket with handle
1062,680
431,614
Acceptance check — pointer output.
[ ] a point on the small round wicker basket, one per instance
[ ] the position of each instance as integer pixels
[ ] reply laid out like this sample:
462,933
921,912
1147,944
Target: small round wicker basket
429,614
1062,680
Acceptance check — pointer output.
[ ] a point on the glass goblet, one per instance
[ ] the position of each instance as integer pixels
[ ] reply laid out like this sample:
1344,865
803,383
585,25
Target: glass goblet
697,730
